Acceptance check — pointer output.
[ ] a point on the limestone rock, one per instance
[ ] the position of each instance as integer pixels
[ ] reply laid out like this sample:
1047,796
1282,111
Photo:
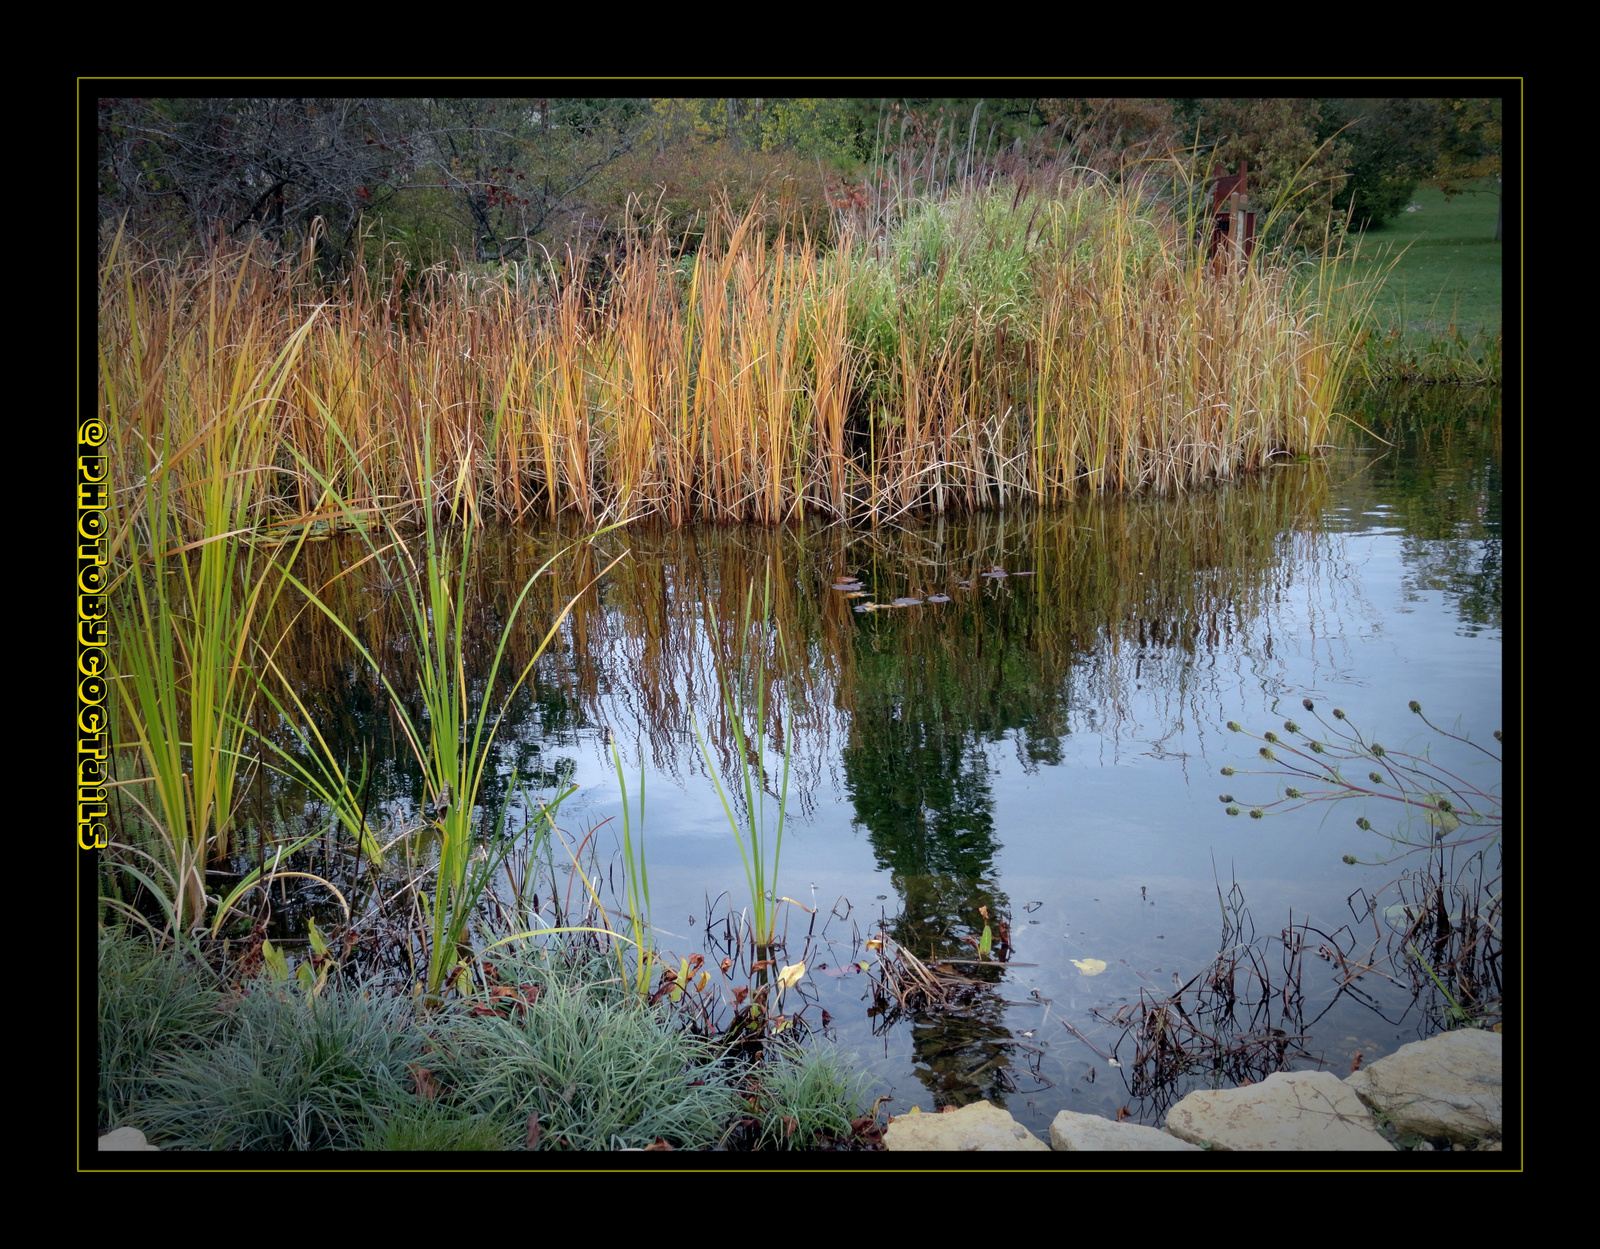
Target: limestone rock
1447,1087
980,1126
1289,1110
126,1138
1072,1131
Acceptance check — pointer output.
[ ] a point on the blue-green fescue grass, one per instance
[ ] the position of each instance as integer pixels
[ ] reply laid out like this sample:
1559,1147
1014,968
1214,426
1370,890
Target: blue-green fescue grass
807,1097
558,1043
290,1071
1439,312
149,1005
435,1126
599,1068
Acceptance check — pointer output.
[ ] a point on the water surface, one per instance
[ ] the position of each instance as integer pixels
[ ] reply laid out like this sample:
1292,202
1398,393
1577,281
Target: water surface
1046,744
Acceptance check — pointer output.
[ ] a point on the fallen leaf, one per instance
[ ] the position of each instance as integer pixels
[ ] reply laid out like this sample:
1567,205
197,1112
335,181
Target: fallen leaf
427,1086
790,976
533,1130
1089,966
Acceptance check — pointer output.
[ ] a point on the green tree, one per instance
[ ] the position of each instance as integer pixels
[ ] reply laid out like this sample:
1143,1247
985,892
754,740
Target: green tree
1391,146
1471,152
811,127
1296,180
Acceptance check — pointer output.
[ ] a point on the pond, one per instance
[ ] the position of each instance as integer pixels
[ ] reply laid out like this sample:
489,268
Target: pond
1044,743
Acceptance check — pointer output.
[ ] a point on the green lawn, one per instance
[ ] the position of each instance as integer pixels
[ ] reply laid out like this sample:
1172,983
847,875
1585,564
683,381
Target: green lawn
1438,316
1448,272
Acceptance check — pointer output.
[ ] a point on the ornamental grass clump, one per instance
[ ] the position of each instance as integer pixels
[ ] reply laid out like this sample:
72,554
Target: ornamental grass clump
290,1071
807,1098
149,1006
584,1065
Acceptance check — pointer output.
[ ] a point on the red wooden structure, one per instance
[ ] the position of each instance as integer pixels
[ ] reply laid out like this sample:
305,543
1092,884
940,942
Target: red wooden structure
1233,225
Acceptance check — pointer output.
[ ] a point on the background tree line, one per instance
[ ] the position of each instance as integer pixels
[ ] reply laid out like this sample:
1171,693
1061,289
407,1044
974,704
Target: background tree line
511,179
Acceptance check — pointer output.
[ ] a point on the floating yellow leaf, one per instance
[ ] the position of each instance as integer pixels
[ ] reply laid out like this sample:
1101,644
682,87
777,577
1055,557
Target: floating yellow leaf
790,976
1089,966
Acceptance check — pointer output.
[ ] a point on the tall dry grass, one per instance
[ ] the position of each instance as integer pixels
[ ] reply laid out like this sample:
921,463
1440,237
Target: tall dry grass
994,347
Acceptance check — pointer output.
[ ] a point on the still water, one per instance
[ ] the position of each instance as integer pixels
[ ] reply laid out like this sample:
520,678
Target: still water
1046,744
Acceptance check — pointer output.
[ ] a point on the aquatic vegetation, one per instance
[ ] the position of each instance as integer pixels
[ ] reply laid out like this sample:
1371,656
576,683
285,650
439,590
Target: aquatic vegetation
1447,801
741,384
760,849
452,745
995,347
193,407
1452,906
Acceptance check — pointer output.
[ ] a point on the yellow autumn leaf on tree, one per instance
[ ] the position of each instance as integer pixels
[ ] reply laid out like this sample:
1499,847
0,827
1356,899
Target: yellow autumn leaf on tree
1089,966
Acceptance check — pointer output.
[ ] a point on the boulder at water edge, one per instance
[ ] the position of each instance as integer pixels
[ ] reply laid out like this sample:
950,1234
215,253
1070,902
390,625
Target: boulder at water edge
1289,1110
980,1126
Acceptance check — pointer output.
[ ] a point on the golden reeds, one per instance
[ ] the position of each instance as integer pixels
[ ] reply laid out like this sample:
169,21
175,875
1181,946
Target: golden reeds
996,349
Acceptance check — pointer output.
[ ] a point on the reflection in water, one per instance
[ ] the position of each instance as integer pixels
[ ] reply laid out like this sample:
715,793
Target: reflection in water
1124,634
1442,477
1100,598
